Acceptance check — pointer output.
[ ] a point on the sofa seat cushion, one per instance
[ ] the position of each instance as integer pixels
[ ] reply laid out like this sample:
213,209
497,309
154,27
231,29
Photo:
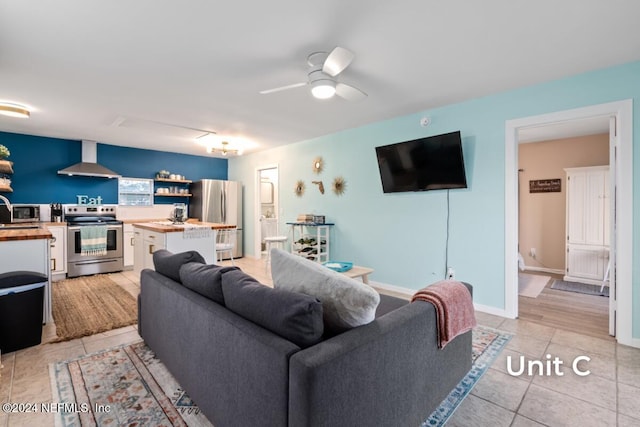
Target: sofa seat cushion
294,316
346,302
168,264
205,279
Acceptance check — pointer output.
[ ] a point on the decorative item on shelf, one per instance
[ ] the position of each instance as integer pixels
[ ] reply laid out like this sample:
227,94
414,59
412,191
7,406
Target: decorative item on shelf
4,152
299,188
318,219
318,165
320,186
163,174
304,218
339,185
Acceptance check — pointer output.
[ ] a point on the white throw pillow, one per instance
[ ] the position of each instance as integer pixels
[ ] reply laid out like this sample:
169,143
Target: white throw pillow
346,303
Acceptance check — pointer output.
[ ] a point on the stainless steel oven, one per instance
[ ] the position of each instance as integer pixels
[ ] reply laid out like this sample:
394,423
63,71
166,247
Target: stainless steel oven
78,216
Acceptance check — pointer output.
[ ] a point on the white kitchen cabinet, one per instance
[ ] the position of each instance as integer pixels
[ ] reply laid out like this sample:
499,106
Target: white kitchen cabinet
587,224
128,246
146,242
58,251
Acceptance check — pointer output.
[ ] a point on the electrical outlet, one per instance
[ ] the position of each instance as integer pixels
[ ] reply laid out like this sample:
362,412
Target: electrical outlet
533,252
451,273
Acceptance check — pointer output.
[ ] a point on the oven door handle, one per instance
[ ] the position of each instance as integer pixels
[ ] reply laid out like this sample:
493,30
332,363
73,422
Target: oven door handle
94,261
110,227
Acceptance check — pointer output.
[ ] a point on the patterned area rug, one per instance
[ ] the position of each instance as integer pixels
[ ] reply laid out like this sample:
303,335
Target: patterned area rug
129,386
90,304
124,386
487,345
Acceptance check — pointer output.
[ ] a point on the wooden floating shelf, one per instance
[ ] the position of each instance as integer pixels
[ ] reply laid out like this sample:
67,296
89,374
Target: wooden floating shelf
174,194
6,166
182,181
6,189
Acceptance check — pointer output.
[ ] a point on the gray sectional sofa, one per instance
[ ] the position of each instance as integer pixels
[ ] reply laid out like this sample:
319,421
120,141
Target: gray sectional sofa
389,372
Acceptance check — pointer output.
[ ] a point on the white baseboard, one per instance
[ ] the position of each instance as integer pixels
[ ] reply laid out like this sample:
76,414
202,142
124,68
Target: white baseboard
544,269
409,293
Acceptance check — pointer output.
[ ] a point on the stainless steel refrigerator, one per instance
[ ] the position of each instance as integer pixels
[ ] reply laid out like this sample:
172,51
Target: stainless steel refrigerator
218,201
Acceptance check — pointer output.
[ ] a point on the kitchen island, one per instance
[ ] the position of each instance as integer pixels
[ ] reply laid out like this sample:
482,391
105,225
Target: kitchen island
190,236
26,248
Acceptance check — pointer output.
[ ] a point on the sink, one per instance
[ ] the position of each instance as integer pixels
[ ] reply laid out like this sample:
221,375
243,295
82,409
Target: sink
18,227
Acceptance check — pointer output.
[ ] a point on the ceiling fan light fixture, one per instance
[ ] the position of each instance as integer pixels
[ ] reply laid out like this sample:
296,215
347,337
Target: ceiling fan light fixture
14,110
323,89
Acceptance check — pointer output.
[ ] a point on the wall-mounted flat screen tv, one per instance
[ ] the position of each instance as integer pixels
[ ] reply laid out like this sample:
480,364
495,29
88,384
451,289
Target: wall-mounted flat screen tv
431,163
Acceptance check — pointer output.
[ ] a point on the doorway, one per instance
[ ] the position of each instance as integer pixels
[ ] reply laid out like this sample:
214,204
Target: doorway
621,163
266,206
546,155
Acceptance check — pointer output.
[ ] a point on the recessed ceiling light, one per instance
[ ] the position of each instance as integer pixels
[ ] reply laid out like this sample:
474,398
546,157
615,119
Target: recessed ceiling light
14,110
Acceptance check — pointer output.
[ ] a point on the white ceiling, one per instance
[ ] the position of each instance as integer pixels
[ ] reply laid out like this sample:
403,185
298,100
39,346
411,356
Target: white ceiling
167,70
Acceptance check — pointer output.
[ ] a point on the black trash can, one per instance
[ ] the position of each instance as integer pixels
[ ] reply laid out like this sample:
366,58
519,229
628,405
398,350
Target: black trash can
21,309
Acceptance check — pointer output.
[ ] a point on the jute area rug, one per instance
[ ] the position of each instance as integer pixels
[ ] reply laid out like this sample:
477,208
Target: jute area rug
128,385
90,304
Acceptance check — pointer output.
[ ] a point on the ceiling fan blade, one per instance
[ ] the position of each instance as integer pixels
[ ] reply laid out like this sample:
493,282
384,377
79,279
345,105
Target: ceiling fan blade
337,61
350,93
278,89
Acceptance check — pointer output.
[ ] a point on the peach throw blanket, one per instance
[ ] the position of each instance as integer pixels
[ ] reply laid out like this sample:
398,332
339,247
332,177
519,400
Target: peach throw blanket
454,308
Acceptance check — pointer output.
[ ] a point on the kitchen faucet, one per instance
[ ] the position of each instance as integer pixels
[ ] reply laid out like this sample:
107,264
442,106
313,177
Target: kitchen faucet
8,203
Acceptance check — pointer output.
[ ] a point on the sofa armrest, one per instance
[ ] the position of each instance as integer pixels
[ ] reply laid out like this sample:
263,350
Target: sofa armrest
387,373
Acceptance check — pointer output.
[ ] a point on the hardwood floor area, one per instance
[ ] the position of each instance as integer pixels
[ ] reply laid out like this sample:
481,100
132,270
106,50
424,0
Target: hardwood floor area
580,313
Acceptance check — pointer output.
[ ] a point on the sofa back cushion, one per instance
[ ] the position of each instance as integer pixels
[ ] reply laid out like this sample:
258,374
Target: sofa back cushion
294,316
168,264
205,279
346,302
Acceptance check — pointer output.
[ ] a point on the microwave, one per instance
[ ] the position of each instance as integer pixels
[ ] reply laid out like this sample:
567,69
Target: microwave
26,213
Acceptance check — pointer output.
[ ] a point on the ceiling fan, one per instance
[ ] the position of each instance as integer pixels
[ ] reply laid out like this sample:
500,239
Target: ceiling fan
323,68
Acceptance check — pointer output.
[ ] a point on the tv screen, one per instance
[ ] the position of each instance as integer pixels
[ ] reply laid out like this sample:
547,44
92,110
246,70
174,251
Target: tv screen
431,163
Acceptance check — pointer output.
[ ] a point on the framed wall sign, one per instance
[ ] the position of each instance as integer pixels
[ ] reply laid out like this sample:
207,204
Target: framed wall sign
545,185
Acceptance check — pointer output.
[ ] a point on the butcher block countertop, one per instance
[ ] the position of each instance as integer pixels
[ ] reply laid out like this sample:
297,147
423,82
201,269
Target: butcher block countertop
8,234
167,227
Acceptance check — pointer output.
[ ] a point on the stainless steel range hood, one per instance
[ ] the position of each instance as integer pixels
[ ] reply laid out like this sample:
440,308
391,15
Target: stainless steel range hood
89,165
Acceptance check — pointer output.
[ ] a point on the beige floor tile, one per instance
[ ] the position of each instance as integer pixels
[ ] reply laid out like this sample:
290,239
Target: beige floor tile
556,409
520,421
489,320
601,365
112,341
30,420
35,388
629,400
529,346
584,342
32,365
501,389
107,334
523,327
625,421
474,411
501,362
591,388
4,420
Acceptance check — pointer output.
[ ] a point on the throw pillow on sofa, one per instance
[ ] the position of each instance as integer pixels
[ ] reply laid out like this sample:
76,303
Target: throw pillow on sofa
205,279
346,303
294,316
168,264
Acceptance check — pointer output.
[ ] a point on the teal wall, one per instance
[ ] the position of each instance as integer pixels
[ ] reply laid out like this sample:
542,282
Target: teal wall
37,161
402,236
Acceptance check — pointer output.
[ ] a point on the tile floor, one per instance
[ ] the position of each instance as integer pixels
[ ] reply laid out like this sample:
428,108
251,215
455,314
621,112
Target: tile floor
609,396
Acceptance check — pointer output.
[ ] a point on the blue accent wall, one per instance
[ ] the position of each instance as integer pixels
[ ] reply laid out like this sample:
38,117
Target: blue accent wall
37,160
